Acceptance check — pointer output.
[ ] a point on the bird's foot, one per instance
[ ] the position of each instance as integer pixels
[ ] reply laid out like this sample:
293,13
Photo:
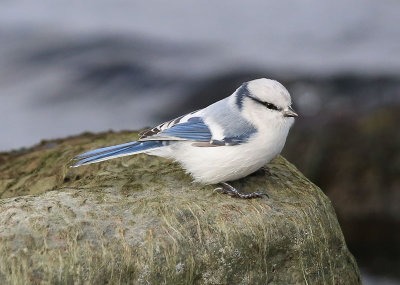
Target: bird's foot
232,191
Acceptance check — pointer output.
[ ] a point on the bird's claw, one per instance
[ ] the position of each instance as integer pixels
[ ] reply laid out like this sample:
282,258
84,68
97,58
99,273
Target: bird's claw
219,190
231,191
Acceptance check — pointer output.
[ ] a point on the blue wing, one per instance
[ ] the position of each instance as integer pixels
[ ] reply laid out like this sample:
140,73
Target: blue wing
197,131
193,130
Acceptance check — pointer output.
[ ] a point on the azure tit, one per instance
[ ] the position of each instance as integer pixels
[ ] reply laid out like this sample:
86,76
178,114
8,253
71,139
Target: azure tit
225,141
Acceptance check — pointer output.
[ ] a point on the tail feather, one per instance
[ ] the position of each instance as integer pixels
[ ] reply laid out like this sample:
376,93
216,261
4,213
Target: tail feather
104,149
115,151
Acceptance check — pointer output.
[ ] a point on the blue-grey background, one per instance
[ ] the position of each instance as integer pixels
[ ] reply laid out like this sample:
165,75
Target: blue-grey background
72,66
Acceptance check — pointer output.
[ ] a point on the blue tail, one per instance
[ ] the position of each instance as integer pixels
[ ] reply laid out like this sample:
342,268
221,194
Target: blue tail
111,152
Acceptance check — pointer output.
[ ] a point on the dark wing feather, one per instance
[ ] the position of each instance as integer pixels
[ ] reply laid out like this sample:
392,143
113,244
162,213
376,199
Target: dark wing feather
193,129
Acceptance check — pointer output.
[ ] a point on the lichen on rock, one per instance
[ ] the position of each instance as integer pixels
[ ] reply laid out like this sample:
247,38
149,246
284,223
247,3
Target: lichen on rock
141,220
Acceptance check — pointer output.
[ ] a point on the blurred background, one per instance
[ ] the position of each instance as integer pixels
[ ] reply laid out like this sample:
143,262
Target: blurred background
67,67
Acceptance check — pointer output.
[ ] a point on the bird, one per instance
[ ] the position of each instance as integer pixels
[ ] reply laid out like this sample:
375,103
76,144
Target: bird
222,142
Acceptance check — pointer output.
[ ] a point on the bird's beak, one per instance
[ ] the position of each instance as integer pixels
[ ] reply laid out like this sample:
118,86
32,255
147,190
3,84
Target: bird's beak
289,113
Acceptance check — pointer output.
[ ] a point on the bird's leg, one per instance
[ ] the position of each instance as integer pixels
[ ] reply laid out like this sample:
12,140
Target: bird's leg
232,191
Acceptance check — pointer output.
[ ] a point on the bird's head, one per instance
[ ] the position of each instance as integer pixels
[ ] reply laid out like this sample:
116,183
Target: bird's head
264,101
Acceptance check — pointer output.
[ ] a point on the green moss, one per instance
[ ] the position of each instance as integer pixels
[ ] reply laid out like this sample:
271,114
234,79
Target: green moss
140,220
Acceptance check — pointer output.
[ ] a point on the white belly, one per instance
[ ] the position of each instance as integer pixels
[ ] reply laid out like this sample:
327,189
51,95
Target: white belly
211,165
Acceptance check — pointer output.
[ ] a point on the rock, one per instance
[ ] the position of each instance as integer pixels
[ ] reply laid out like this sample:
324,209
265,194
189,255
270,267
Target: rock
140,220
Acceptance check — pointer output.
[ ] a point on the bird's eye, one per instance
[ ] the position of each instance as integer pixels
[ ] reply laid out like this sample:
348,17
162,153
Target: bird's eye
271,106
266,104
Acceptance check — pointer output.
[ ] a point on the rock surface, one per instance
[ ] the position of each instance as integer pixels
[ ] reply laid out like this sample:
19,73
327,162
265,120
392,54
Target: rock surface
140,220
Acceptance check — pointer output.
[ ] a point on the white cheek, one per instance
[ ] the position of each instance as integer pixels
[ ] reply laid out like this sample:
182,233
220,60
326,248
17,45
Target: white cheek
259,115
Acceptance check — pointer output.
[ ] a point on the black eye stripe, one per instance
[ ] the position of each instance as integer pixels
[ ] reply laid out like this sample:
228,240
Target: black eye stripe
266,104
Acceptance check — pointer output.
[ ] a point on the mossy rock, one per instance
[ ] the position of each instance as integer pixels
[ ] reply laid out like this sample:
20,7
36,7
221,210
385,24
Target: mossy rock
140,220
